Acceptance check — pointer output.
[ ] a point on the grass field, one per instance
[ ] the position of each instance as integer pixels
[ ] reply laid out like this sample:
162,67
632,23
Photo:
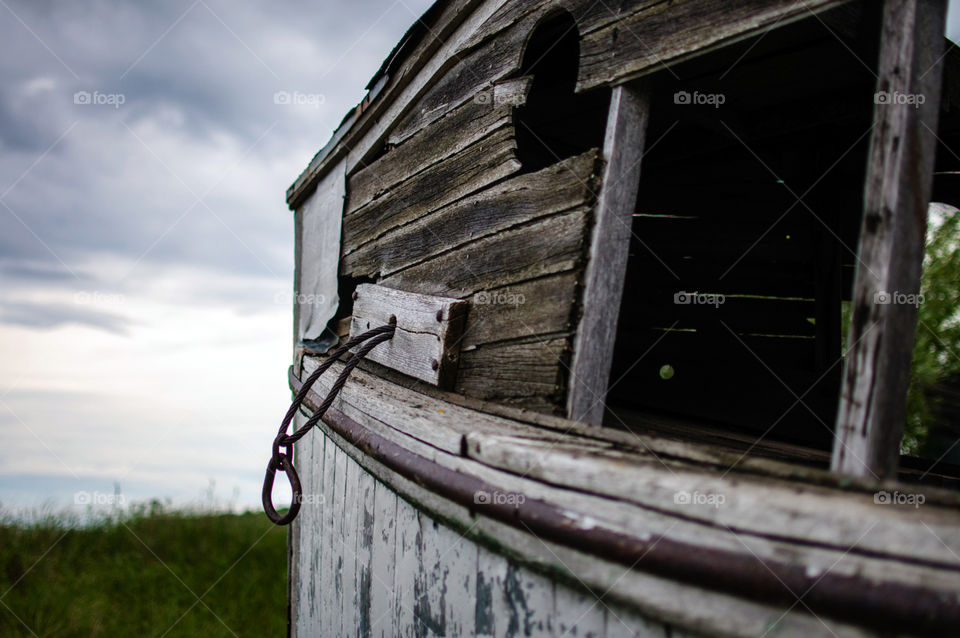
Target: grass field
142,575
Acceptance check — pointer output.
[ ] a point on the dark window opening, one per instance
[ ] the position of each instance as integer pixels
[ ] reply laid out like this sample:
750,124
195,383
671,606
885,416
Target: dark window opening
730,324
555,123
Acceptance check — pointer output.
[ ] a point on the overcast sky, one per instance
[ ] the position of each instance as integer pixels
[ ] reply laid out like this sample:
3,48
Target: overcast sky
146,251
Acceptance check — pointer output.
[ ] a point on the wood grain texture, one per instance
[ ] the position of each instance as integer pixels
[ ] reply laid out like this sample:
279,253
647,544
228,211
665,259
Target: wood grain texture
515,370
642,600
609,249
663,33
521,311
517,200
897,193
383,560
547,246
479,165
768,511
430,58
470,73
449,135
426,342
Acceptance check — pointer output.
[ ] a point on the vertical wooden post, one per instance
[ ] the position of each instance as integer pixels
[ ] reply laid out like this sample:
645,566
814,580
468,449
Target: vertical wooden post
897,192
609,249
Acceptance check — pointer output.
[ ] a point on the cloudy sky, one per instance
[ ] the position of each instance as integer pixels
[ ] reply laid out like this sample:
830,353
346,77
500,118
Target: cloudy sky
146,251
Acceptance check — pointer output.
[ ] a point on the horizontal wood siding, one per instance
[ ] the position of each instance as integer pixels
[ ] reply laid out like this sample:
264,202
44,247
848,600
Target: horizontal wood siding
658,34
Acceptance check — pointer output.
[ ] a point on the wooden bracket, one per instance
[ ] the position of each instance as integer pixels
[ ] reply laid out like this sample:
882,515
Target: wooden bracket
426,344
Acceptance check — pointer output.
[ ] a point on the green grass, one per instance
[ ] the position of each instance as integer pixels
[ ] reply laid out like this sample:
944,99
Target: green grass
133,576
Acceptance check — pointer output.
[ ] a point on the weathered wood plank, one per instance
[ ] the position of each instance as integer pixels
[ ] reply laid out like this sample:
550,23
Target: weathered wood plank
366,511
642,437
471,73
578,613
383,556
563,186
753,505
687,606
663,33
609,249
445,585
479,165
896,196
350,607
622,622
407,561
426,342
525,310
528,608
323,590
306,546
429,59
748,506
452,133
545,247
335,598
489,605
512,370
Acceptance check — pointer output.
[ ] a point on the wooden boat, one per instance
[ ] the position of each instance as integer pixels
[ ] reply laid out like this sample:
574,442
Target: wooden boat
615,239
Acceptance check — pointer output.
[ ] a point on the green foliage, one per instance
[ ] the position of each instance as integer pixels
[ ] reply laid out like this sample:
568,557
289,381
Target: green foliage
133,576
936,353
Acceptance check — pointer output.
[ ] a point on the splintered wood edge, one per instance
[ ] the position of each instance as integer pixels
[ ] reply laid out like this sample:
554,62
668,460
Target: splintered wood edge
426,344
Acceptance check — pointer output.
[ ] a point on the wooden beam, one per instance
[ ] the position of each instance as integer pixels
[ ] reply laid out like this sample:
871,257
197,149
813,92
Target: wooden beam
899,178
609,249
426,344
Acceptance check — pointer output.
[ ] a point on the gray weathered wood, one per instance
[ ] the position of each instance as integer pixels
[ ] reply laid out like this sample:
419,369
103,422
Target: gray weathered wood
609,248
347,558
365,539
477,166
426,343
578,613
514,370
897,192
328,562
663,33
429,59
697,609
383,556
754,505
519,311
449,135
517,200
471,73
548,246
407,562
